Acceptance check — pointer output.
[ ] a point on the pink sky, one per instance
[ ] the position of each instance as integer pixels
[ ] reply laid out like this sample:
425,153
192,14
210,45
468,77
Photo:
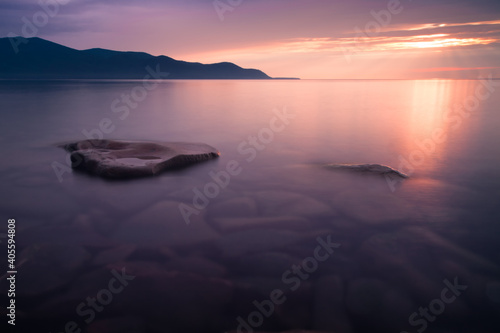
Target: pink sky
310,39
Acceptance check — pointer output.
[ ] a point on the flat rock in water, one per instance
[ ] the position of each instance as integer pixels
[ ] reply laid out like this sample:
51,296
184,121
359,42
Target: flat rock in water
124,159
369,169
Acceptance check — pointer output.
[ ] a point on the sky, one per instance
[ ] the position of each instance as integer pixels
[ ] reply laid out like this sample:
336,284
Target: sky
310,39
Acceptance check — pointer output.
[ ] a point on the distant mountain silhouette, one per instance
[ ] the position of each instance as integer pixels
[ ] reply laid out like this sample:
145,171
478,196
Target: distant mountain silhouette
41,59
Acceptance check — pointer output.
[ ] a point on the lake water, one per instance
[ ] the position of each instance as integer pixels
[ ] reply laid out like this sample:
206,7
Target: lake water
283,243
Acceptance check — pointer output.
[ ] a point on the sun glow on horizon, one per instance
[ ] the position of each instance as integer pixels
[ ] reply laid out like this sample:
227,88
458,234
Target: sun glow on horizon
341,45
410,46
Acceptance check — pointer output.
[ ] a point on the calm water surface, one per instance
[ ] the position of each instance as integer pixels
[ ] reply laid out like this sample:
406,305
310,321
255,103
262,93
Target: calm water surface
397,244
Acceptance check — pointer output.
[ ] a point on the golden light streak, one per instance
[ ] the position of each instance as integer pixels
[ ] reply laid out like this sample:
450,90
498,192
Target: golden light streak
380,43
437,43
436,25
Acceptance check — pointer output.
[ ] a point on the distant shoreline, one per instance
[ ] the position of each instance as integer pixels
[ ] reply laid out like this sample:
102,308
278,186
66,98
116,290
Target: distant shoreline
270,79
123,79
36,58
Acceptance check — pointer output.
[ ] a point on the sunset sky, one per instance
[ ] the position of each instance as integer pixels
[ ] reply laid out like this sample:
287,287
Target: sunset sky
310,39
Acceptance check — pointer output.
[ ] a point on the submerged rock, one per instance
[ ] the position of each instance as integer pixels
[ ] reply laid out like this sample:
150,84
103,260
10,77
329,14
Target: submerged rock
368,168
48,267
271,222
123,159
329,307
376,207
118,325
294,331
239,244
377,303
283,203
163,225
234,208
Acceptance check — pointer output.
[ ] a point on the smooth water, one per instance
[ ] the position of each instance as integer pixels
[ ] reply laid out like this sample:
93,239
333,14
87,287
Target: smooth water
396,242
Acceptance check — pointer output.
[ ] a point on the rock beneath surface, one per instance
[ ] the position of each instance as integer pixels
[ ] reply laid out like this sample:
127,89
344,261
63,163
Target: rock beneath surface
271,264
376,169
376,303
247,242
493,291
375,207
283,203
294,331
47,267
226,225
329,309
181,302
119,253
118,325
163,225
124,159
234,207
196,265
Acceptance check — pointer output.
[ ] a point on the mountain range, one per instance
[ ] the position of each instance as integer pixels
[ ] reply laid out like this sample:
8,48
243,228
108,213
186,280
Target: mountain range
36,58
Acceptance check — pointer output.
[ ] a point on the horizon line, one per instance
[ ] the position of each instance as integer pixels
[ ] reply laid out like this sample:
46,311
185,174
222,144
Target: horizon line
277,78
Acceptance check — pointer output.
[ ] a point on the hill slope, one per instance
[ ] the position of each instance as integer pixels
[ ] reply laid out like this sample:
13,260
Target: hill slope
42,59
